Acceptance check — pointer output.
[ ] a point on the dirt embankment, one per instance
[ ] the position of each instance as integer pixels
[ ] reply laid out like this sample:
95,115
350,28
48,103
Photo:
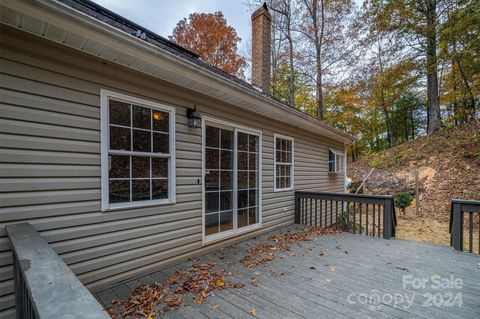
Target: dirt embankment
448,166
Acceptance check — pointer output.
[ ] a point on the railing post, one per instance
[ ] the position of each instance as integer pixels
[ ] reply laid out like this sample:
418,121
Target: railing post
457,227
387,219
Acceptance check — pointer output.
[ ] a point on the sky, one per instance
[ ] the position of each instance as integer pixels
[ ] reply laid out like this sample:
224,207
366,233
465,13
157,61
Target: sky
161,16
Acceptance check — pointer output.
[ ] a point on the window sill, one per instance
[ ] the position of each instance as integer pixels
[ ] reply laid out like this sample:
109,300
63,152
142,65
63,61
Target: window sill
279,190
210,239
140,204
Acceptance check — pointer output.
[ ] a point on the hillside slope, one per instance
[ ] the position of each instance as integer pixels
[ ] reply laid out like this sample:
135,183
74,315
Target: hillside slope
448,166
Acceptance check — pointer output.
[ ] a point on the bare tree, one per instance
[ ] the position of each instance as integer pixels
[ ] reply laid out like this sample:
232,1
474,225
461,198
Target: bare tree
324,26
284,17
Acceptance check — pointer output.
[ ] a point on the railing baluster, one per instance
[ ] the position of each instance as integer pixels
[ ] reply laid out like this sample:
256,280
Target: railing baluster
331,213
379,221
366,220
316,211
354,213
361,211
470,231
311,224
373,222
301,209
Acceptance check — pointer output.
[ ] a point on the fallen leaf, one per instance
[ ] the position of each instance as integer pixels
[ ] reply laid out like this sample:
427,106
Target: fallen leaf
313,268
253,281
253,312
216,306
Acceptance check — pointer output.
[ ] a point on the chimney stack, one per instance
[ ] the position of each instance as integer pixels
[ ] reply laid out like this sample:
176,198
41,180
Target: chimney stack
261,46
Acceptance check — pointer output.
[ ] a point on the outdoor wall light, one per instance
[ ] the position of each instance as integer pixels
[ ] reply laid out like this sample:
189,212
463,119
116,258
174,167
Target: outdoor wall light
194,118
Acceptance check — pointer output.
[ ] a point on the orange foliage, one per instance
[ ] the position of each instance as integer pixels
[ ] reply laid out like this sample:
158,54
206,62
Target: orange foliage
209,35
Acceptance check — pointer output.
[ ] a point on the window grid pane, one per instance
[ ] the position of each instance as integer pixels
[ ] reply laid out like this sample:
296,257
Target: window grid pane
283,163
218,180
133,128
247,179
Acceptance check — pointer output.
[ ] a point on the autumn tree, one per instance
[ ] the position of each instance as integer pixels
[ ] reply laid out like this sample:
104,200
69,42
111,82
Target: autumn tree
415,23
460,59
209,35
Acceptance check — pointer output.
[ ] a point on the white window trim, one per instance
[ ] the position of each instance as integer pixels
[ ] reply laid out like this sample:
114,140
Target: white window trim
105,149
292,171
208,239
336,153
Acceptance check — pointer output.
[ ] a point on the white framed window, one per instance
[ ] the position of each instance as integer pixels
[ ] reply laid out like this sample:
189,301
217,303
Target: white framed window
232,179
283,149
336,161
137,152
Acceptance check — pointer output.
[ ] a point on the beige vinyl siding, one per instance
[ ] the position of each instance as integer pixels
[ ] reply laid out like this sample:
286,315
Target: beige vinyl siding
50,166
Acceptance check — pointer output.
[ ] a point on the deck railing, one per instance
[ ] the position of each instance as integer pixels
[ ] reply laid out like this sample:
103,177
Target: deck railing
45,287
372,215
462,216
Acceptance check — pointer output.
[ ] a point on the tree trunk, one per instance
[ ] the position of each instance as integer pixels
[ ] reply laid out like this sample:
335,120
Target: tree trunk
319,37
391,138
465,81
434,117
291,84
292,70
413,123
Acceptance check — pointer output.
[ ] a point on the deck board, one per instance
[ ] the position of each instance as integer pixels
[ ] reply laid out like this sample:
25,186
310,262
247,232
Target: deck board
320,278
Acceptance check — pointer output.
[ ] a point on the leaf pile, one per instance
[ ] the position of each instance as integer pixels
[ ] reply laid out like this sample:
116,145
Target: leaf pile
149,300
263,253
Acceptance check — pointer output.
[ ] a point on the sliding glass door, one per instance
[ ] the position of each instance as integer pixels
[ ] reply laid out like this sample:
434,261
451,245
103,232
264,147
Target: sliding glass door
231,179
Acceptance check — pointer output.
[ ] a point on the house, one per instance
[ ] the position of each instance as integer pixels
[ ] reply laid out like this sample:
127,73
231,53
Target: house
127,153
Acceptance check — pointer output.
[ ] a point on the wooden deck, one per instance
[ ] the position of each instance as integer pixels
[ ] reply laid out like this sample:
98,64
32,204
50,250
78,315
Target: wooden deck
335,276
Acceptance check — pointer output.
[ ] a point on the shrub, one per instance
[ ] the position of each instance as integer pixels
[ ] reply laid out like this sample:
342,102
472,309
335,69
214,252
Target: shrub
403,200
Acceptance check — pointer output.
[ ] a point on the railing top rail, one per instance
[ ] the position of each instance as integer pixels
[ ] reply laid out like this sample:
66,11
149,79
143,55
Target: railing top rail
54,289
382,197
466,201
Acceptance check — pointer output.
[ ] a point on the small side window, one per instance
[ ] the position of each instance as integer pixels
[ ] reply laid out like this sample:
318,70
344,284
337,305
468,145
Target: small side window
335,161
284,162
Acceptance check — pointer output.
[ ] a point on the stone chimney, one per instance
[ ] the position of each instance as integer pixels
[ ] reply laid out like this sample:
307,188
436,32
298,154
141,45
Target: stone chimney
261,46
